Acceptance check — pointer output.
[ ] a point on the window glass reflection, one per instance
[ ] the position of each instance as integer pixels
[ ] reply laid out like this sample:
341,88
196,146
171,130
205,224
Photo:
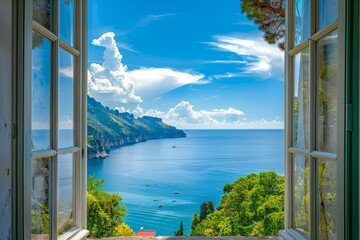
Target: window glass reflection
327,93
301,180
302,20
66,99
327,198
41,85
66,20
328,12
42,13
301,107
40,199
65,193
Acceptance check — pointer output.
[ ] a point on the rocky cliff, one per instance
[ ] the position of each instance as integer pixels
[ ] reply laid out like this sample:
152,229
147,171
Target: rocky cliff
109,128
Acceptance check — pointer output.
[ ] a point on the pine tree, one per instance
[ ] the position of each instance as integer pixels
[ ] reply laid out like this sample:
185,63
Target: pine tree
269,15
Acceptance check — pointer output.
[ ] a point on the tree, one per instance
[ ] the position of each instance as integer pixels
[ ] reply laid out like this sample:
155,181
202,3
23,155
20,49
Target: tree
269,15
205,209
105,213
252,206
180,232
125,230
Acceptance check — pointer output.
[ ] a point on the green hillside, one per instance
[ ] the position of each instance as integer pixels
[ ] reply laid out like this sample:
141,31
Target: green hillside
109,128
251,206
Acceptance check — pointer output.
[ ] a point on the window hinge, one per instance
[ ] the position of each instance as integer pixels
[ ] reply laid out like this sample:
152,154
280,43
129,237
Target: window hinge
82,153
349,117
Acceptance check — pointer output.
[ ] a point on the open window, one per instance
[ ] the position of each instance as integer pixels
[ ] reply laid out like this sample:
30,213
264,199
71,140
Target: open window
314,119
55,116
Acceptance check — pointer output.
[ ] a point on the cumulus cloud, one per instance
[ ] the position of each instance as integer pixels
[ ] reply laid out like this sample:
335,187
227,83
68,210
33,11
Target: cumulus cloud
185,116
107,82
258,56
114,85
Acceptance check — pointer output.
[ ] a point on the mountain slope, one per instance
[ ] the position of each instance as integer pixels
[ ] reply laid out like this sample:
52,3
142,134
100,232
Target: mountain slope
109,128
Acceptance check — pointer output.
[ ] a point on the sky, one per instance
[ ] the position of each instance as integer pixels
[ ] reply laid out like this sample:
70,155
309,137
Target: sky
194,63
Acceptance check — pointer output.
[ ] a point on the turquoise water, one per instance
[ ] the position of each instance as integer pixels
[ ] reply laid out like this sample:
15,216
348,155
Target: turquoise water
197,167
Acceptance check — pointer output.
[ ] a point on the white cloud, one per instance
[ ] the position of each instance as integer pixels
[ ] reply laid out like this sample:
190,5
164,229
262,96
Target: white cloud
151,82
67,72
152,18
225,62
113,84
107,82
185,116
259,57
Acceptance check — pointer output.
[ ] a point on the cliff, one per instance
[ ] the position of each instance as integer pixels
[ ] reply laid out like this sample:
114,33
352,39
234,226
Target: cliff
109,128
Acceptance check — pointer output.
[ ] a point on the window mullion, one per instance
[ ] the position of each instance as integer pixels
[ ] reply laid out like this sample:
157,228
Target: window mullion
289,21
313,161
55,124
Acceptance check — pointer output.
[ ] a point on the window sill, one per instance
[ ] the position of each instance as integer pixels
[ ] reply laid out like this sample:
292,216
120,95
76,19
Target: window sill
291,234
78,234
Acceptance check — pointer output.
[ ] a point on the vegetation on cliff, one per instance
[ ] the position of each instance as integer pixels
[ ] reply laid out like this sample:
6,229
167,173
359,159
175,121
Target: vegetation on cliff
109,128
251,206
105,213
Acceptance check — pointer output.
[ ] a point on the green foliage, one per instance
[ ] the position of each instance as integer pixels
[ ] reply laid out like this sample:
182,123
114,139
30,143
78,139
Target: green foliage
206,209
180,232
269,15
105,213
251,206
39,218
125,230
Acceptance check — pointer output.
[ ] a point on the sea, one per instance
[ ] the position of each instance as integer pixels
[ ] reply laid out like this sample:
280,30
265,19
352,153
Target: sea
164,181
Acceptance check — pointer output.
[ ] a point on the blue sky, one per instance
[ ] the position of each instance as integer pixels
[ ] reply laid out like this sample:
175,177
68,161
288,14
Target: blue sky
195,63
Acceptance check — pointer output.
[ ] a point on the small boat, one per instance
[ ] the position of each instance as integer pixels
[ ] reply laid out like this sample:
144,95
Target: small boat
160,206
173,146
155,200
174,200
176,192
148,185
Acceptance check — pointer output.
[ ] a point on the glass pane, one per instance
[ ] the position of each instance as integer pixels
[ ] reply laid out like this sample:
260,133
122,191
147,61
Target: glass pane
40,199
302,20
41,83
301,125
328,12
66,100
67,20
327,199
327,93
43,13
65,193
301,193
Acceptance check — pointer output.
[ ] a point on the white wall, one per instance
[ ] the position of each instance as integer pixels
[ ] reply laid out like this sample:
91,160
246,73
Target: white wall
5,118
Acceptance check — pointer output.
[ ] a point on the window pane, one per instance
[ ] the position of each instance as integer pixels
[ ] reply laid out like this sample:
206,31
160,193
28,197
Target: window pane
327,199
41,85
43,13
66,100
302,20
40,199
301,194
301,125
327,93
67,20
65,193
328,12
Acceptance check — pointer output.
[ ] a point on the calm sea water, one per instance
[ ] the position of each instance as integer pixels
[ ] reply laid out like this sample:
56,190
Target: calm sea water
148,174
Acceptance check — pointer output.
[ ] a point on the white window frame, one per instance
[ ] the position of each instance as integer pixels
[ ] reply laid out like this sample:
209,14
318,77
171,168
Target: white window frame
290,51
23,25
